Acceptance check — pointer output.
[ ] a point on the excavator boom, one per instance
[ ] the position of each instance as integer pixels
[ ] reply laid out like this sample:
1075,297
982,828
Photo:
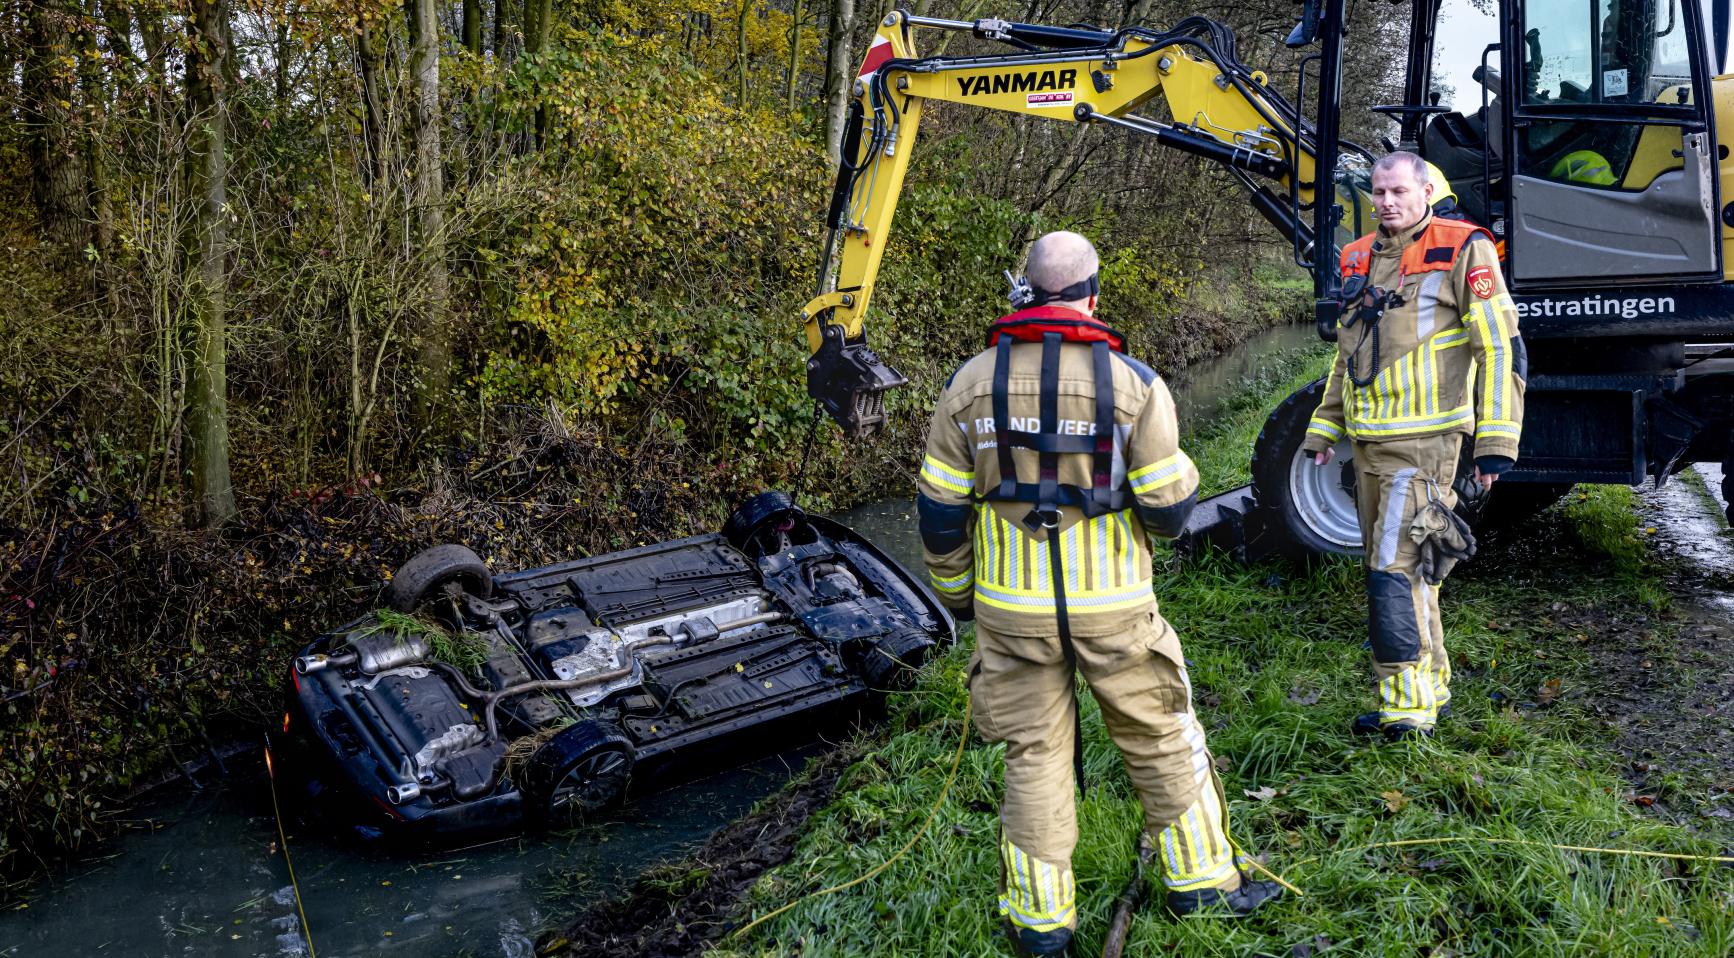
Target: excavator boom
1220,110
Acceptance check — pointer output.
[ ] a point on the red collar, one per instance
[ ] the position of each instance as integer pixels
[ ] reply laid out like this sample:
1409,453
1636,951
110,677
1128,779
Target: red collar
1030,325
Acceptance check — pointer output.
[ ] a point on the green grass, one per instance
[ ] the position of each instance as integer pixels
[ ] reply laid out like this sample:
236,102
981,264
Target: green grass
1260,642
462,649
1220,446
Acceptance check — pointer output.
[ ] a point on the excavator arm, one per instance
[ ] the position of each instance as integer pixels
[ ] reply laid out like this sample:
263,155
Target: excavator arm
1221,110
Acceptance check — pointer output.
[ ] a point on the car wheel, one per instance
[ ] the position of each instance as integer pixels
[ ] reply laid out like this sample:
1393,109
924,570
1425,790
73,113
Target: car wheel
581,770
757,514
892,663
438,570
1315,505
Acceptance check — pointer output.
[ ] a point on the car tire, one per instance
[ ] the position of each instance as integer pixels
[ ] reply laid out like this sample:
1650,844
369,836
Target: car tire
756,514
583,769
892,662
434,569
1314,505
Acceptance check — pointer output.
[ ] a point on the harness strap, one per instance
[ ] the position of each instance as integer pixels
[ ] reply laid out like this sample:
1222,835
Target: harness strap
1055,566
1008,473
1046,513
1100,492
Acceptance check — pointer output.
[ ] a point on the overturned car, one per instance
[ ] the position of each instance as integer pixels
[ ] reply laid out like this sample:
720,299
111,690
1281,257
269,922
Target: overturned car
483,701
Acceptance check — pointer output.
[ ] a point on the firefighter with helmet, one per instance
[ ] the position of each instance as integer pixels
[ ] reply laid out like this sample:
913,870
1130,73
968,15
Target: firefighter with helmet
1428,352
1050,456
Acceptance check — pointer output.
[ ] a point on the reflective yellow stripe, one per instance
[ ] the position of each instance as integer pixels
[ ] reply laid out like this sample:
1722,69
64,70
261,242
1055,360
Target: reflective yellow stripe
956,585
945,477
1159,473
1328,430
1038,895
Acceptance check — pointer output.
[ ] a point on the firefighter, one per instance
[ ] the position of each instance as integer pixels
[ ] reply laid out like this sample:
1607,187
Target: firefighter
1049,458
1428,352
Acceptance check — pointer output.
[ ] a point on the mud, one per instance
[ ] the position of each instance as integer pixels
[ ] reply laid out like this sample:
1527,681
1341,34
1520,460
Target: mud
682,908
1669,692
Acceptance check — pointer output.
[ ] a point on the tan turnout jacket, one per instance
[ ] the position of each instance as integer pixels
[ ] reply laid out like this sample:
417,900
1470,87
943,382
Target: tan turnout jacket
1003,566
1450,357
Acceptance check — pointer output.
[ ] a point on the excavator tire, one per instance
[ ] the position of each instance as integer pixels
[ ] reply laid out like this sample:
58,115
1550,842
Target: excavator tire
1314,507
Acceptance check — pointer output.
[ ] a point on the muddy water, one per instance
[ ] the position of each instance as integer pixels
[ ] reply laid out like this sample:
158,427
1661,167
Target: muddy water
202,873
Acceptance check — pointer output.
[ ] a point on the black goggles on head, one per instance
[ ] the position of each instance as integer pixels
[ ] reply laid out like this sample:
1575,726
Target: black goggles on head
1024,295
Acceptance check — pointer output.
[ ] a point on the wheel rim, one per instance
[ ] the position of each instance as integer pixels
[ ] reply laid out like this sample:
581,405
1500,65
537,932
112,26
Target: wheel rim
1322,500
591,781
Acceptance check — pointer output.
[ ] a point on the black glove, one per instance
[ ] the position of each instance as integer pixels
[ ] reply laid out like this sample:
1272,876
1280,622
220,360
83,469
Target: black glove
1494,465
965,614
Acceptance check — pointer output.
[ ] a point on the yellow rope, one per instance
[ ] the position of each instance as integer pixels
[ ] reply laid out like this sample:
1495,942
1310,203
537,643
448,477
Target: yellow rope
283,843
1483,840
944,792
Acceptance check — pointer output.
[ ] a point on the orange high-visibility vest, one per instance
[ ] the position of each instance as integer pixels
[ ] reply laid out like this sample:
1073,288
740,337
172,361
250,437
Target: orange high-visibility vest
1437,248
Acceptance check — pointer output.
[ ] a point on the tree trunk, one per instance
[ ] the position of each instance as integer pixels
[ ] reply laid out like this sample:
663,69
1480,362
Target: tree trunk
473,27
284,52
741,51
96,158
428,196
371,61
207,399
537,27
501,31
838,85
57,169
794,55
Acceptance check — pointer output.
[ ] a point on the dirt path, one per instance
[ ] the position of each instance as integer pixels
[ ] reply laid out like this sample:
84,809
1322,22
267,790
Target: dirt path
1669,690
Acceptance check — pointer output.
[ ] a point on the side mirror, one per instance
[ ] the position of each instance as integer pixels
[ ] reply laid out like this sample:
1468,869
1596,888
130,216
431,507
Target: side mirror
1306,31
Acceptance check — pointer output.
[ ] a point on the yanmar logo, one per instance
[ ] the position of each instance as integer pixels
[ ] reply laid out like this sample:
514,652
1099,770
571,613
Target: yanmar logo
1031,82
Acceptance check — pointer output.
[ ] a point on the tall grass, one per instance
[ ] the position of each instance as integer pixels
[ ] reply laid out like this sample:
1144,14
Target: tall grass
1277,660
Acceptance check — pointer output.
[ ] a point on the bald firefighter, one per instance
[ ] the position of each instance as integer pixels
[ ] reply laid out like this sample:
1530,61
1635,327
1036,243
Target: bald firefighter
1428,352
1050,457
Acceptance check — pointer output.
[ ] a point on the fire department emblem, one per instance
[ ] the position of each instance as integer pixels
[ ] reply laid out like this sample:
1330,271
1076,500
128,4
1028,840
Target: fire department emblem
1481,281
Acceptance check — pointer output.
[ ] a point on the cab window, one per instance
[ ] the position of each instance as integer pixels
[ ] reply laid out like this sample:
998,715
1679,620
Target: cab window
1605,52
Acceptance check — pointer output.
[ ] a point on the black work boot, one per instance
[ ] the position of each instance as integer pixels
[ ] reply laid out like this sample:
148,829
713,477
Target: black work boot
1243,901
1367,723
1028,941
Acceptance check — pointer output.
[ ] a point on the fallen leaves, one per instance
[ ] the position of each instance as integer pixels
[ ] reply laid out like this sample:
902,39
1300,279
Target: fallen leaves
1395,801
1547,692
1302,694
1264,794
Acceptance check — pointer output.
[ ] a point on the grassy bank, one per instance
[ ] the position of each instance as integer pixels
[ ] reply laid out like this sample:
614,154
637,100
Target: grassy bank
1279,671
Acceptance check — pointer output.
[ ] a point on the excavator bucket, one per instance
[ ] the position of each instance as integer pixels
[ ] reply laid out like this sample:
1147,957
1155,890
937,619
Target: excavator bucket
850,381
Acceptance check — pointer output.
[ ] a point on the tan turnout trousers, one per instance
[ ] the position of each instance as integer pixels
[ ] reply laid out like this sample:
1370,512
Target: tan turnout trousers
1022,690
1393,480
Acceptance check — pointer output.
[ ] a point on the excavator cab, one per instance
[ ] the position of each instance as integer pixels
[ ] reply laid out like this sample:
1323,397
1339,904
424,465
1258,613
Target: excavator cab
1579,131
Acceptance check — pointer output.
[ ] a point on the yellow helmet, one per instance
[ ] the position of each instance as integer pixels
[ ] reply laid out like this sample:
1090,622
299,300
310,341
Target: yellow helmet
1583,166
1441,186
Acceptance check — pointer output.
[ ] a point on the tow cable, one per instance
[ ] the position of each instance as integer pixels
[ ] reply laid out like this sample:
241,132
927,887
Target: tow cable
932,813
806,453
283,843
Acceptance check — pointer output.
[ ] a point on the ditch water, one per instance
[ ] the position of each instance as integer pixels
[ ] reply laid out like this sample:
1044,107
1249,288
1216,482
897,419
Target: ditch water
200,872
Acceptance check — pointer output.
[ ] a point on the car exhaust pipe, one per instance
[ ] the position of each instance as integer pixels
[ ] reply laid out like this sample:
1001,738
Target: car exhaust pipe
308,664
403,792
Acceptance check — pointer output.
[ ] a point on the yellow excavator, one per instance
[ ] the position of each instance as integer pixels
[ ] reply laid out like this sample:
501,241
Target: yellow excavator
1582,133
